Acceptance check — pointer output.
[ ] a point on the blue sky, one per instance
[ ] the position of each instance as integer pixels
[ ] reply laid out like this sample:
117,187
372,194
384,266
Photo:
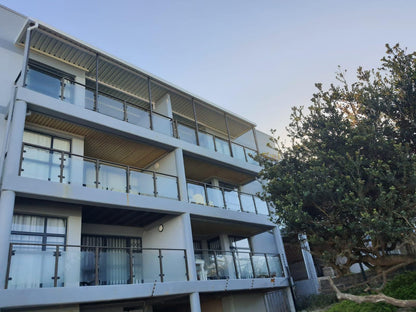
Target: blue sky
255,58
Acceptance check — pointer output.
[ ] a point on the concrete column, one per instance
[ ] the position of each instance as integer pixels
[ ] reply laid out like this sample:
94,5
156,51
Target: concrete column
180,171
12,160
309,263
7,200
195,303
164,106
281,248
189,245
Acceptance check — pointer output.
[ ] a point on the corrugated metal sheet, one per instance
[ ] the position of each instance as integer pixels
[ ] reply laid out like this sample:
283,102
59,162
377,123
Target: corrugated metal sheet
121,77
101,145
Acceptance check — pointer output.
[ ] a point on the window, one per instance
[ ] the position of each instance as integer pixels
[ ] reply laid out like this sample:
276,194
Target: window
114,260
38,230
40,162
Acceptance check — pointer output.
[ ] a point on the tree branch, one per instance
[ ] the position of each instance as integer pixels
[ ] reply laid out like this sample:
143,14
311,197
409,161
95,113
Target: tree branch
373,298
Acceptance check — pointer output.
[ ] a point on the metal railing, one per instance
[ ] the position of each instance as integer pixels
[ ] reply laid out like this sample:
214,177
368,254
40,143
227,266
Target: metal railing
219,264
70,91
216,143
108,104
59,166
221,197
33,265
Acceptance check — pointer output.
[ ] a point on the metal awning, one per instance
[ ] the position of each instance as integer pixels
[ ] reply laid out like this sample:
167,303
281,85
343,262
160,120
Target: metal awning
121,76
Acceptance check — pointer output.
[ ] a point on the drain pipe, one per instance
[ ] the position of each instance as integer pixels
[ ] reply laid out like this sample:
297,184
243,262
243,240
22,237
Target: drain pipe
26,52
20,83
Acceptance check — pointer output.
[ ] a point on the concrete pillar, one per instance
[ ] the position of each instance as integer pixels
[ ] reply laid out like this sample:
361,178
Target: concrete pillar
180,171
195,303
309,263
7,200
189,245
12,160
164,106
281,248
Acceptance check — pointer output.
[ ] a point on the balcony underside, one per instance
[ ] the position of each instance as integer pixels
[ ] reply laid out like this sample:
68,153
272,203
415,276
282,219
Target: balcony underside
102,145
12,298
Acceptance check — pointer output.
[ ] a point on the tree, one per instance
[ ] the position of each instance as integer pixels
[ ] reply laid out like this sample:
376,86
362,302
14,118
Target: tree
348,178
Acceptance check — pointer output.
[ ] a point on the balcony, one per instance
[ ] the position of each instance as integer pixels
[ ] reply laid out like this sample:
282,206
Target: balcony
46,265
216,144
225,198
137,109
58,166
212,265
106,101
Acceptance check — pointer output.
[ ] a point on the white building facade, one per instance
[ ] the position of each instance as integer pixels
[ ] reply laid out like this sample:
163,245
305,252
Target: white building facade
122,192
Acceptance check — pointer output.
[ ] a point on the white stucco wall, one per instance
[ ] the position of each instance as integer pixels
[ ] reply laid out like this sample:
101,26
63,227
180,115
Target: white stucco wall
11,56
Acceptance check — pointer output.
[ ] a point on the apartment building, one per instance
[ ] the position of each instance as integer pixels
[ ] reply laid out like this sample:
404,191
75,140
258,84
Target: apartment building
123,192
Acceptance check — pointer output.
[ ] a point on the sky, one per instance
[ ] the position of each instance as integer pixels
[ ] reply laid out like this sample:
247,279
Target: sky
254,58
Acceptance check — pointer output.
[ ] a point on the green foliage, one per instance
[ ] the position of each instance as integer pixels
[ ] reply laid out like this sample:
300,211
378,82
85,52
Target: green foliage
403,286
348,178
349,306
314,302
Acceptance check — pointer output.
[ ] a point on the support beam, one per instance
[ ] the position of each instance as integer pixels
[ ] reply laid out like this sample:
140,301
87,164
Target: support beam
196,122
189,245
149,90
14,148
7,199
195,303
180,172
255,140
96,83
228,134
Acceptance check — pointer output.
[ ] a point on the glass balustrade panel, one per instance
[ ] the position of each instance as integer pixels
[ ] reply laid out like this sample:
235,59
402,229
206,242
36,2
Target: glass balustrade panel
138,116
89,173
245,270
261,206
215,197
74,170
69,267
225,265
238,152
110,107
114,266
137,267
196,194
112,178
247,203
70,89
250,154
166,186
260,266
222,146
208,265
174,265
141,182
89,99
231,200
187,133
151,266
206,140
162,124
36,163
43,83
87,263
275,265
31,267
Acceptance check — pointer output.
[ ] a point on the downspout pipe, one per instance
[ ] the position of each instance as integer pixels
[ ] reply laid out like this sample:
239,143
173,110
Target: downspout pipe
26,52
20,83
